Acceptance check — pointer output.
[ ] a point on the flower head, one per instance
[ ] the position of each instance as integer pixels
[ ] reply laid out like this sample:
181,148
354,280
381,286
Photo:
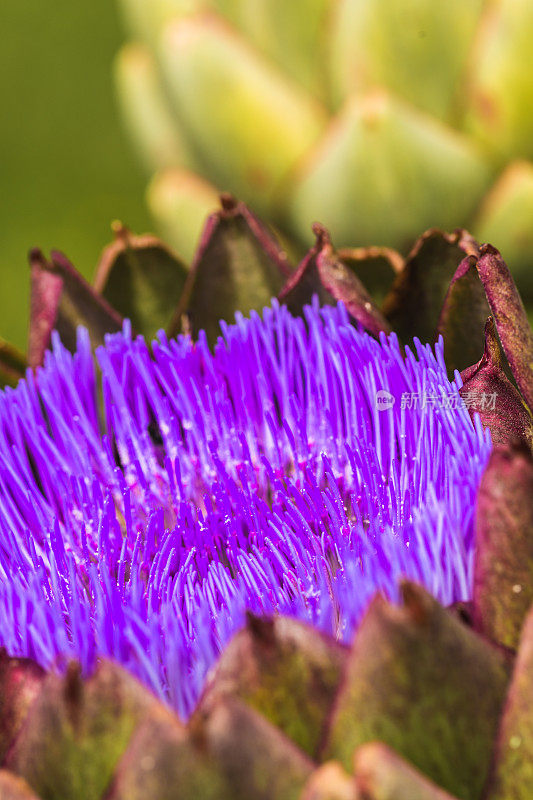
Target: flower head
264,476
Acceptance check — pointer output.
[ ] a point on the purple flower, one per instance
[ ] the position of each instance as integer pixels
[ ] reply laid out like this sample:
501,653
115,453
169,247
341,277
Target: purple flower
264,476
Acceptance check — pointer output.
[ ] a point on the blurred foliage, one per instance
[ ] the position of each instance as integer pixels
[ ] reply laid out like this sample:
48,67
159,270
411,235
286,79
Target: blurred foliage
66,170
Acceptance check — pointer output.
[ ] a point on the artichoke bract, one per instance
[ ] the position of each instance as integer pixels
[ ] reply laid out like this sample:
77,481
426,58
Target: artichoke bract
283,549
376,117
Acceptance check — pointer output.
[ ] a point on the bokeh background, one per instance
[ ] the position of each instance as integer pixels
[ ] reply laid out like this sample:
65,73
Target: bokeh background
66,167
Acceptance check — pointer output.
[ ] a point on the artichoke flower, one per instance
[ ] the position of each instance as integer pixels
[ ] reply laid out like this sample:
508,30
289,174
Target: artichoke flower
287,555
354,113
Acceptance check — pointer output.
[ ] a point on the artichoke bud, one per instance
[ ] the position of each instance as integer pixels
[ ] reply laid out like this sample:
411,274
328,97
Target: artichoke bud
360,113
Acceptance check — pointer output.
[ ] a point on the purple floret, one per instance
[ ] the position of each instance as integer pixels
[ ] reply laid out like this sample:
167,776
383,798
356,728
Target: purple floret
261,476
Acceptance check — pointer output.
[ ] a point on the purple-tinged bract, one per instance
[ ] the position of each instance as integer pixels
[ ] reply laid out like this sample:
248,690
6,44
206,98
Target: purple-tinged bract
263,476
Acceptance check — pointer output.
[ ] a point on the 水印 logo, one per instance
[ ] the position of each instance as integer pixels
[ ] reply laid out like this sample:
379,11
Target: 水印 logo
384,400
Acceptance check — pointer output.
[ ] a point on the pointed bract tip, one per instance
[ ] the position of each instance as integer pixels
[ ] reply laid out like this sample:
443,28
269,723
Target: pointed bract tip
323,236
487,249
262,628
36,257
73,683
416,602
59,259
228,202
120,231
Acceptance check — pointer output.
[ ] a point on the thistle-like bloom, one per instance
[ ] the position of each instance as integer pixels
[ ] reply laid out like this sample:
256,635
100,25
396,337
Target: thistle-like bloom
263,476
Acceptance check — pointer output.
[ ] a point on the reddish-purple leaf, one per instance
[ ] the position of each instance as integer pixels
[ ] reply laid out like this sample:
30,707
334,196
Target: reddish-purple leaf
46,290
503,567
323,274
510,318
62,299
487,391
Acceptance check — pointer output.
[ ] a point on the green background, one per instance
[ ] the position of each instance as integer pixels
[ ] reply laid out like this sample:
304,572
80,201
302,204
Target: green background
66,168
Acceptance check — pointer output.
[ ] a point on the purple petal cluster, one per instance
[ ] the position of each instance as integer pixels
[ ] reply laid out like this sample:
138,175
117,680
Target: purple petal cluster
147,501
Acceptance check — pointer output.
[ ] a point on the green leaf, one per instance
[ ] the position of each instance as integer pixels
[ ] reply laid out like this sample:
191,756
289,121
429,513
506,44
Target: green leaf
284,669
423,683
380,774
256,758
415,301
462,318
239,266
383,172
512,772
248,122
142,279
